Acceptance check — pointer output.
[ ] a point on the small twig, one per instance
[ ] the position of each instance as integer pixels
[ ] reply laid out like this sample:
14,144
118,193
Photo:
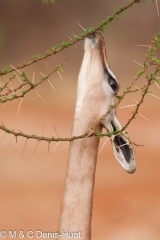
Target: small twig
21,132
48,146
137,63
70,38
65,146
157,7
11,86
120,145
56,131
36,147
3,137
3,125
3,110
143,45
143,116
33,78
103,145
42,130
81,26
137,145
19,107
46,64
16,69
51,85
128,106
19,80
55,147
147,93
157,85
40,97
49,82
153,95
59,75
24,148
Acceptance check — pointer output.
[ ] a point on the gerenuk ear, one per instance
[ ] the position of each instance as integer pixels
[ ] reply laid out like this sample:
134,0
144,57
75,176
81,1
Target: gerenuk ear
122,148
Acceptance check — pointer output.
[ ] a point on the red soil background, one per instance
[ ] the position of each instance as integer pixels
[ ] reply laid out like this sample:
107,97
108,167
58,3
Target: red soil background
125,206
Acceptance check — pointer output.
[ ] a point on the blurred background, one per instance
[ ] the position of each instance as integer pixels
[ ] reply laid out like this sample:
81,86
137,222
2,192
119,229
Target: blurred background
125,206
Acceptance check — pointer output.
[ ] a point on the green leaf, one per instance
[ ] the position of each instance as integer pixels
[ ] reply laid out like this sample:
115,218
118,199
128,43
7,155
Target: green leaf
109,18
7,69
56,47
91,29
124,12
102,23
48,52
23,92
14,96
44,78
52,1
78,37
119,98
140,72
7,131
99,134
35,56
66,44
46,1
39,55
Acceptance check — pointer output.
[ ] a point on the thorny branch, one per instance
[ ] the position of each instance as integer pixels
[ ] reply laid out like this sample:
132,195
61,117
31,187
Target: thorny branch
5,90
151,77
54,50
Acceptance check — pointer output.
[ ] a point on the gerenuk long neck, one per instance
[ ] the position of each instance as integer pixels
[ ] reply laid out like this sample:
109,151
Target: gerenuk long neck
76,211
78,196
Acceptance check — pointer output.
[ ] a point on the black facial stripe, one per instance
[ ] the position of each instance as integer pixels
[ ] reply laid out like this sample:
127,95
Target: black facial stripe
112,82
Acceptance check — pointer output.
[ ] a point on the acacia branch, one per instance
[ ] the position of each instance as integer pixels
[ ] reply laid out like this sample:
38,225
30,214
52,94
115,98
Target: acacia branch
5,91
151,77
47,139
54,50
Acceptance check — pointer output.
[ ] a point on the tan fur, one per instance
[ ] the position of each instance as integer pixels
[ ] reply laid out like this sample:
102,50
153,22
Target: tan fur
94,98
